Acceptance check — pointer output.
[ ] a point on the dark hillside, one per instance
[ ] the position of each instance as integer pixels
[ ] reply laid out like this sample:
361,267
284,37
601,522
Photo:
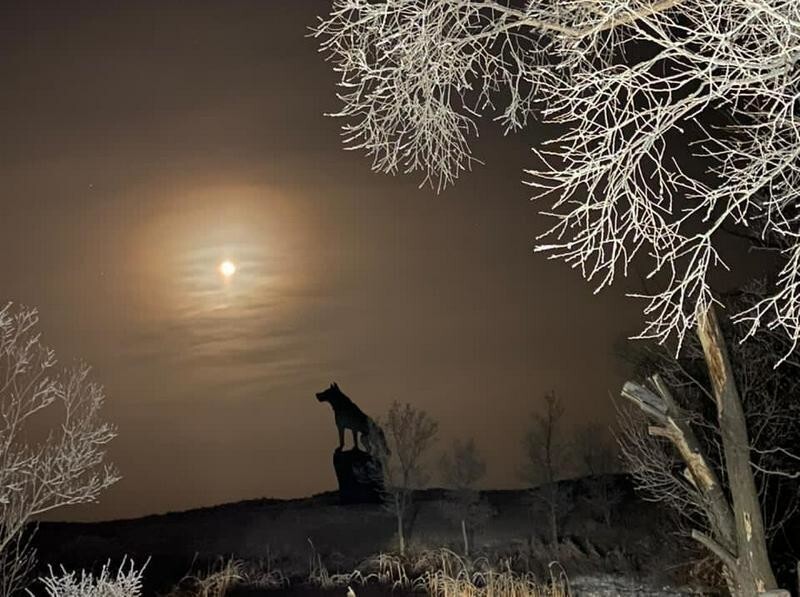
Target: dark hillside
283,533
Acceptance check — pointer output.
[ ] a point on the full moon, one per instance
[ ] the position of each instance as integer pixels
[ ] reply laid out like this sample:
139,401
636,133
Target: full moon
227,268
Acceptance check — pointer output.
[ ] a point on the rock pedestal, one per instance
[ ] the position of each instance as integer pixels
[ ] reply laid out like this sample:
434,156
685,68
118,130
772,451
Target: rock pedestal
359,475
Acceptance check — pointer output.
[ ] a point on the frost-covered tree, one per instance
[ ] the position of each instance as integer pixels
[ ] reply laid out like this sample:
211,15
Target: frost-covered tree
627,83
66,466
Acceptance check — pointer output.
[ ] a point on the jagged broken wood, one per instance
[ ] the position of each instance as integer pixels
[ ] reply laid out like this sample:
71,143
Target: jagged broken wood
673,425
736,523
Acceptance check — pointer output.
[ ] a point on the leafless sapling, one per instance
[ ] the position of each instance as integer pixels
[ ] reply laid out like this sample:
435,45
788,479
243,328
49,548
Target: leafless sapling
547,458
410,433
462,469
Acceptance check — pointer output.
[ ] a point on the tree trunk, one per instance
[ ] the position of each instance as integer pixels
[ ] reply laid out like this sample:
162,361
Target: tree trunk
464,535
554,518
606,502
400,535
753,571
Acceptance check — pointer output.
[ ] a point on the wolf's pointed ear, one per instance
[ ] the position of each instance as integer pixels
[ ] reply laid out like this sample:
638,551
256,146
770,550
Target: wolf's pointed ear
335,386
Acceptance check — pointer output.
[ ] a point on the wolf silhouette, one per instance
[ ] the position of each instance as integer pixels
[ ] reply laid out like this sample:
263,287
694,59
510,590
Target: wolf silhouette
349,416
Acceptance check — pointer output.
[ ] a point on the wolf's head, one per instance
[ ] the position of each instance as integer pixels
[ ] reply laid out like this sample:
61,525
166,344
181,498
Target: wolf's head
331,394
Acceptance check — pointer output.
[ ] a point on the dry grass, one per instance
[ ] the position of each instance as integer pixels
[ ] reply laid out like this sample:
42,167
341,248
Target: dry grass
441,573
504,583
226,574
319,576
264,576
216,582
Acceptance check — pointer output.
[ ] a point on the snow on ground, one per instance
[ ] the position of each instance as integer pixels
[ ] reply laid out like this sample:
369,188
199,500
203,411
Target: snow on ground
616,586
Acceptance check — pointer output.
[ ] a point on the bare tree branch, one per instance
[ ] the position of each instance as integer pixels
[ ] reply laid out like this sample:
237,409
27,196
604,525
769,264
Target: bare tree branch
626,82
410,433
67,468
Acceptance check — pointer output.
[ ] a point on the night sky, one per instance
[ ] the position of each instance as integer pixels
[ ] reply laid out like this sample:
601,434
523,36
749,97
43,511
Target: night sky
145,142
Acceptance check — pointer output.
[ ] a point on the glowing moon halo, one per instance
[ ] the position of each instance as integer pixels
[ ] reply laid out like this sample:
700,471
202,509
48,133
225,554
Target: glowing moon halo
227,268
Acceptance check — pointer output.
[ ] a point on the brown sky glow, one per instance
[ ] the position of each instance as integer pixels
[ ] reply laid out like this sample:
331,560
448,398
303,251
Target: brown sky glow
145,142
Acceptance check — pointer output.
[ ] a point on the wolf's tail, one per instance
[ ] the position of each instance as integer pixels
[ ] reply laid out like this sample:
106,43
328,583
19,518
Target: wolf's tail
384,444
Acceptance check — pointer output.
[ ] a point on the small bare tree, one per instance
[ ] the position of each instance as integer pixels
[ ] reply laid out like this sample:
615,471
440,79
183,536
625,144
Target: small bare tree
547,458
600,460
410,434
67,467
462,468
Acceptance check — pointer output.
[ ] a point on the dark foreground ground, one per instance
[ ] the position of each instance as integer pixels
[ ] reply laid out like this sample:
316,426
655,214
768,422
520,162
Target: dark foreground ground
298,536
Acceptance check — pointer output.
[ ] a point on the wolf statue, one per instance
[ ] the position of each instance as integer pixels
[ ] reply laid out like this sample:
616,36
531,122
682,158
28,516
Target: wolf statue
349,416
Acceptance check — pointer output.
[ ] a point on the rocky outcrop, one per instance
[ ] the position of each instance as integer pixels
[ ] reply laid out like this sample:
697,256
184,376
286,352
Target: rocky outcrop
359,475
